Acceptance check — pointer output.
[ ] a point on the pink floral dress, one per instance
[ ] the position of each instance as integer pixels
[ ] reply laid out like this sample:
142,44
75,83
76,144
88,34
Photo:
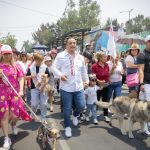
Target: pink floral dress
8,99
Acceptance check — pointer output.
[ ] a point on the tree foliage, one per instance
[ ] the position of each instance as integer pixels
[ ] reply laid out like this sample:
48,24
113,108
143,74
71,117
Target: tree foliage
138,24
9,40
27,46
44,34
85,15
114,23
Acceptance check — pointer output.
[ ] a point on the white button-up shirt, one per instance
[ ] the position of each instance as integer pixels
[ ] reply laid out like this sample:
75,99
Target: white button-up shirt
75,70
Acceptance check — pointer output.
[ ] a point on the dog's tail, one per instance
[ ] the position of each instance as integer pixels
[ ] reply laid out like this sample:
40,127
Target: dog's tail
103,104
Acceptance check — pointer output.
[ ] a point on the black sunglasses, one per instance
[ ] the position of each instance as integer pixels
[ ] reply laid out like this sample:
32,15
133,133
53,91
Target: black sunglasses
94,80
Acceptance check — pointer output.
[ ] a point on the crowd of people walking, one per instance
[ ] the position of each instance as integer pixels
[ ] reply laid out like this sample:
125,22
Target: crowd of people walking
82,78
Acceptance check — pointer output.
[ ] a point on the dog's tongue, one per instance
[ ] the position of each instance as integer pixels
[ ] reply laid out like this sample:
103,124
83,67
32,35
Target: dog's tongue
49,139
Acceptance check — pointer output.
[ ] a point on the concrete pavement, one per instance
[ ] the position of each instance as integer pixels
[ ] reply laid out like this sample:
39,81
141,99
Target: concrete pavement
87,136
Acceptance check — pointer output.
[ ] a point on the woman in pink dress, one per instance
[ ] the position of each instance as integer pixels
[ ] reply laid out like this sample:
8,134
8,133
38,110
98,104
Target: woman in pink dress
11,106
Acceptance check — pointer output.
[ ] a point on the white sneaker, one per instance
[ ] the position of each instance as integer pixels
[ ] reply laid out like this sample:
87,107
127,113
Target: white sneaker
107,119
14,130
75,121
87,119
95,121
82,118
148,124
146,133
7,143
68,132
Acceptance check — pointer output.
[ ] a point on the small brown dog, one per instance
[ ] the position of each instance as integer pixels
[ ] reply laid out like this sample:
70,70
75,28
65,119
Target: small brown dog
48,132
43,85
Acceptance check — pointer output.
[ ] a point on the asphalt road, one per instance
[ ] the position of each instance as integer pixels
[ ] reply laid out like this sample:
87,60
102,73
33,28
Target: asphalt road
86,136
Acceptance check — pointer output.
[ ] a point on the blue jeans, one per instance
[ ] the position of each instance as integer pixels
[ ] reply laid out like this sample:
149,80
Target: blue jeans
134,88
28,95
67,99
38,99
115,89
92,108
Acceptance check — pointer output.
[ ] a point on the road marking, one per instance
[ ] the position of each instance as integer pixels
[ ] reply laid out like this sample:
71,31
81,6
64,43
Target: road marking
62,142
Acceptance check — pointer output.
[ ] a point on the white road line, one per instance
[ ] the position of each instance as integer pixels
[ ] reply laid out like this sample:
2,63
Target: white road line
62,142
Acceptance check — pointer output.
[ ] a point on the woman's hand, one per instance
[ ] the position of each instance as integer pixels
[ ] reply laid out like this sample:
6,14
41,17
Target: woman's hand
21,93
1,73
142,87
114,66
101,82
33,76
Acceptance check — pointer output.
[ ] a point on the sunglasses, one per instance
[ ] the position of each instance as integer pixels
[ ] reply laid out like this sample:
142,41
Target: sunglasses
93,80
23,56
134,49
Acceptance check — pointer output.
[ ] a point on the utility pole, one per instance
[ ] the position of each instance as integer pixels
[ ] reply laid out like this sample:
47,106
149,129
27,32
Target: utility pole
129,11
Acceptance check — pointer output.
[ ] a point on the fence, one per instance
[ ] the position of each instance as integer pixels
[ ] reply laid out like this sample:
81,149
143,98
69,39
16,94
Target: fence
124,47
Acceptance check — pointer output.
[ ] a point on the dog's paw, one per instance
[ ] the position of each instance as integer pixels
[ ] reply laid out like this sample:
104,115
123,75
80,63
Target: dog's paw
131,136
110,123
124,132
140,131
39,138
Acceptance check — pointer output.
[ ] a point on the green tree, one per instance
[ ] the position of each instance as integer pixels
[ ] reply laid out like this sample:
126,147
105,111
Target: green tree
45,33
114,23
147,23
27,46
89,12
138,24
9,40
85,15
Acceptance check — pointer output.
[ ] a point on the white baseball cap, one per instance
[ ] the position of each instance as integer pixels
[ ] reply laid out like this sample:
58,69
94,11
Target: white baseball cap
6,49
147,38
87,44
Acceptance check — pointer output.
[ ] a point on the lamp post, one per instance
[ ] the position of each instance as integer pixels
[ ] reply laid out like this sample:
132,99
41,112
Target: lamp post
129,11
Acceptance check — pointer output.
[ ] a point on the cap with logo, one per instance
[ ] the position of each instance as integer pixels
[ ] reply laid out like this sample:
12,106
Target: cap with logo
6,49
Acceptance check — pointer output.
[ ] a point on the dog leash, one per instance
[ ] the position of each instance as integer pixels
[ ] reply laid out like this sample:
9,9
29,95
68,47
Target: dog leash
31,111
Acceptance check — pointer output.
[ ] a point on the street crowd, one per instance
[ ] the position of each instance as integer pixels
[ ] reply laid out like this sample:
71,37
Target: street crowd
82,79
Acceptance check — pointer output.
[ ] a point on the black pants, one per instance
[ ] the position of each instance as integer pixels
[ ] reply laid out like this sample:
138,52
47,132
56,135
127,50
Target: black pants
104,94
123,79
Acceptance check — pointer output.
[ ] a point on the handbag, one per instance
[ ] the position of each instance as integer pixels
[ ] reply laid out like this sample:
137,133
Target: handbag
132,79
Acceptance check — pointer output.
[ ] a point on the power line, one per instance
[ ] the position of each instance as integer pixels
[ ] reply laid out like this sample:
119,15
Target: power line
33,10
17,27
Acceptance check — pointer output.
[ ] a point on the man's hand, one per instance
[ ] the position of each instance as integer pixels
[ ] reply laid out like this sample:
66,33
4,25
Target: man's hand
63,78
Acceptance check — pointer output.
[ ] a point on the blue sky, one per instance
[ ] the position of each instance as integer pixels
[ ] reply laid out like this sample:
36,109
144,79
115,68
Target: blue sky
22,22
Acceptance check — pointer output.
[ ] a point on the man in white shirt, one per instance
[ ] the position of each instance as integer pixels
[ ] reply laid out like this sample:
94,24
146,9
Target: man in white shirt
72,82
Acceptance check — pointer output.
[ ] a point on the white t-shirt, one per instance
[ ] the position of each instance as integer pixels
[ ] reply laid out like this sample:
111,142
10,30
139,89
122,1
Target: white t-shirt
116,76
22,66
91,93
129,58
